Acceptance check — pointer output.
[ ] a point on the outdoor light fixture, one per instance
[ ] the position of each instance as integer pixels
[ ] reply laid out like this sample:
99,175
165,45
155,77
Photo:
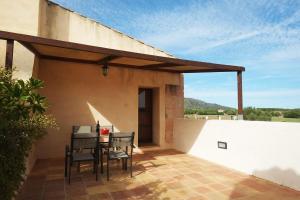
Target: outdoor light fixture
222,145
105,69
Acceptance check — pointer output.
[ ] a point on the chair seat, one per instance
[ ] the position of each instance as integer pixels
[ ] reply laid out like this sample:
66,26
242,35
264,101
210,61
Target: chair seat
117,154
83,156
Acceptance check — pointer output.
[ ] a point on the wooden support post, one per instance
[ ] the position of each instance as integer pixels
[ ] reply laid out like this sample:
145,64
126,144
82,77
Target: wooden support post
9,54
240,94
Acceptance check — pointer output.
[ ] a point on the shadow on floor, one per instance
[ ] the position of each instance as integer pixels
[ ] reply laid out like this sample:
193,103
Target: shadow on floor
46,180
260,188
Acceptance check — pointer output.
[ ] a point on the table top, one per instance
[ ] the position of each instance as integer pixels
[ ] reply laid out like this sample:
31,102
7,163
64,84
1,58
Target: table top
102,138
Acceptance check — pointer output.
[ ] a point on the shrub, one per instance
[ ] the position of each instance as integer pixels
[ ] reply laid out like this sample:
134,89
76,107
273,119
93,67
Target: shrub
231,112
22,121
276,114
295,113
254,114
190,111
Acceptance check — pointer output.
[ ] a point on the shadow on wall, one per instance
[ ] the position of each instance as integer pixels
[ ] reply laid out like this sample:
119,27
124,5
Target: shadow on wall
263,189
83,96
99,117
282,177
187,132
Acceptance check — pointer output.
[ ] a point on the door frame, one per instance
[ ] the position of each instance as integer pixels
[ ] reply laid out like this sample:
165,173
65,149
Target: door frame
156,129
145,116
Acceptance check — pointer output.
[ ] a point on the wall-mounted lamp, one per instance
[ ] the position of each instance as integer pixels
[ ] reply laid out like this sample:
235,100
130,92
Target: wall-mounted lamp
105,69
222,145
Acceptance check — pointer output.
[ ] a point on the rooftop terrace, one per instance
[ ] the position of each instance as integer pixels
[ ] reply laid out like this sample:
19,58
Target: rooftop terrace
160,174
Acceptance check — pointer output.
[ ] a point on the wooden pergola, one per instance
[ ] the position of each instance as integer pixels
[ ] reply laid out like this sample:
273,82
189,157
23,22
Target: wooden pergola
51,49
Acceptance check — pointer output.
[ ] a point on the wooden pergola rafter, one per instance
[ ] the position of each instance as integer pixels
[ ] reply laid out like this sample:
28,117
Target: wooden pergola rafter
51,49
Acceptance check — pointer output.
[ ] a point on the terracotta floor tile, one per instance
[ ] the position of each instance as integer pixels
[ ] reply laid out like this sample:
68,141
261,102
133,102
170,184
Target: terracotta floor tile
202,189
121,195
233,194
217,186
102,196
161,174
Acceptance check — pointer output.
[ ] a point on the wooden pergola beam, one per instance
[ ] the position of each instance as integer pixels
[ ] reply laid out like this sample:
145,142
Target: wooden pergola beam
240,92
75,60
139,67
9,54
82,47
160,65
107,59
31,48
207,71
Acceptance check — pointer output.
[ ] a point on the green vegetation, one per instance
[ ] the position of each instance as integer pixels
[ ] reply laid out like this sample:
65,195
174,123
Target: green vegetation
283,119
190,103
22,121
202,109
256,114
198,107
294,113
209,112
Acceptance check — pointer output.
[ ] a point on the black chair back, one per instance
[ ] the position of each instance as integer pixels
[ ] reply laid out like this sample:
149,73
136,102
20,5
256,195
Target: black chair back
84,141
82,129
121,139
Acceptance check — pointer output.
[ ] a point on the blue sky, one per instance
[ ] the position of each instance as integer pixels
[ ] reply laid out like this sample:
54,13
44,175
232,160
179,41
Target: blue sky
261,35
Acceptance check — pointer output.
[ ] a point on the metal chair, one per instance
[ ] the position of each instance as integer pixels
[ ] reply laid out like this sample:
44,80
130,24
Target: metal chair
104,146
75,129
80,142
118,149
82,129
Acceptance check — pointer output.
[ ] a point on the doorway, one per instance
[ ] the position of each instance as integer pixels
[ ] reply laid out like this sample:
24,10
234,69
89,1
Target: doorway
145,116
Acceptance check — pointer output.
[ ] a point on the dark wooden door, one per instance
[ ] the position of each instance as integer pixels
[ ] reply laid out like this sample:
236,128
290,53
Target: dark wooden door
145,115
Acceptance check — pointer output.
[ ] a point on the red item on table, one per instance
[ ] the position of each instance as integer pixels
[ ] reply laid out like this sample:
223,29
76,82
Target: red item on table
104,131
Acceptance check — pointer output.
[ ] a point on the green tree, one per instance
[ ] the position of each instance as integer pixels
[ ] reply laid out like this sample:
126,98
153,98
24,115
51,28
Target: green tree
256,114
22,121
294,113
230,112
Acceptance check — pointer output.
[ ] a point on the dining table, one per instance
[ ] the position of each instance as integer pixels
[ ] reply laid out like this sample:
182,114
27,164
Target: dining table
103,143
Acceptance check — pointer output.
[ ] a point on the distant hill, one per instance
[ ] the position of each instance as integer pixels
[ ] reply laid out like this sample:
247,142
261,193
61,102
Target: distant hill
190,103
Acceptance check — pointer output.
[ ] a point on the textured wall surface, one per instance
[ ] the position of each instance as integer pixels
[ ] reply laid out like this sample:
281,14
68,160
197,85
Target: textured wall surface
80,94
21,17
268,150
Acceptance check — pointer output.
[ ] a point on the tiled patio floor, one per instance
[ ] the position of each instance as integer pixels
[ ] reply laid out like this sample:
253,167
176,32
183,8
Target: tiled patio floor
163,174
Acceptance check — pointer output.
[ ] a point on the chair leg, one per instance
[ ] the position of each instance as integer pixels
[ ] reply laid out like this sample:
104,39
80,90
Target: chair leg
70,171
131,166
94,167
66,166
101,160
78,167
107,168
123,165
96,170
66,160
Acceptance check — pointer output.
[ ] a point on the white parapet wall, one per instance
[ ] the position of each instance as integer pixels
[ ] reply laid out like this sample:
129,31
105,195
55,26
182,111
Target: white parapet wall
269,150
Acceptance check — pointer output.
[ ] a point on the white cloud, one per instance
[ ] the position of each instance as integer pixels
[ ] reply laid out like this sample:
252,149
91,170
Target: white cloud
286,53
199,27
262,35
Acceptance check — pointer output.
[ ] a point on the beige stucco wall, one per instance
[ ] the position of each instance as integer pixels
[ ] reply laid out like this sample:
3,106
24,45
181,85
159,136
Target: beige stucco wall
45,19
59,23
20,16
80,94
174,108
268,150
